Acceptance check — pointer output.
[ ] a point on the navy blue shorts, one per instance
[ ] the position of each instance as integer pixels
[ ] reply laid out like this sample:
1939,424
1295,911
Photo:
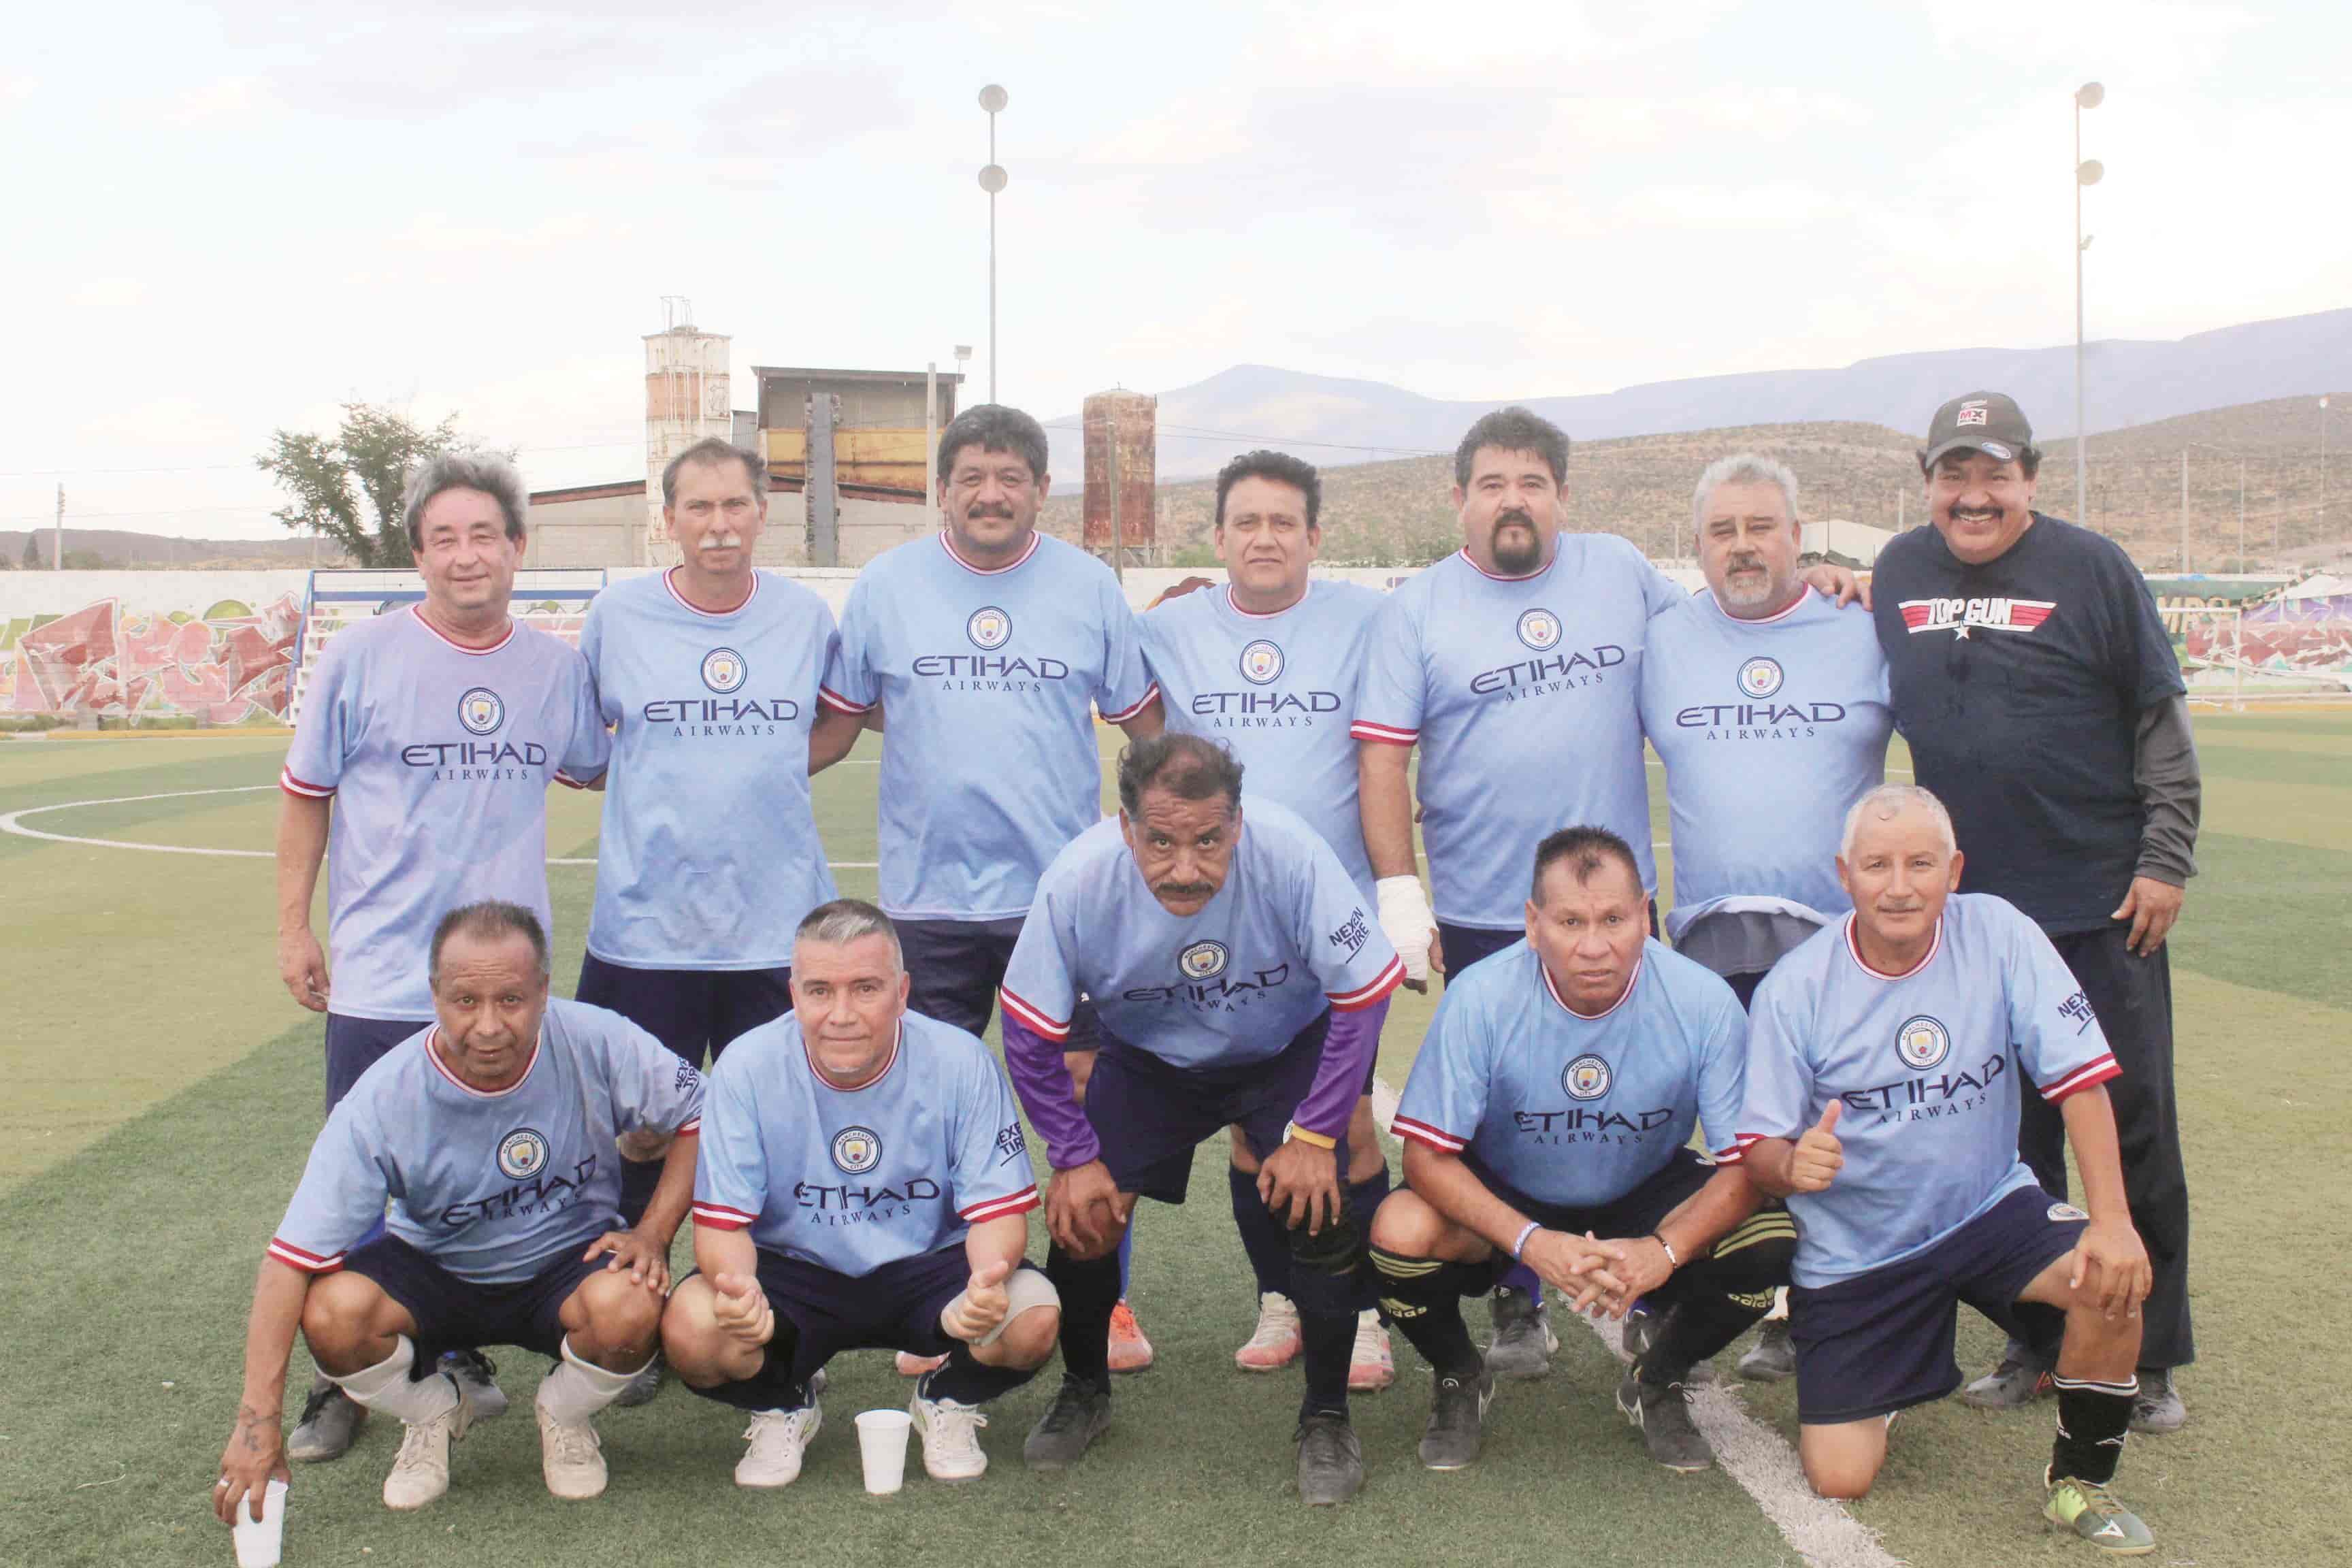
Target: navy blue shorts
688,1010
1635,1214
1151,1115
454,1314
954,969
355,1045
1882,1342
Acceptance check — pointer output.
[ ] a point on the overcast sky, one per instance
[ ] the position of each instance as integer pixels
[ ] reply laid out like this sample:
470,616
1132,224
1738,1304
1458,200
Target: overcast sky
225,219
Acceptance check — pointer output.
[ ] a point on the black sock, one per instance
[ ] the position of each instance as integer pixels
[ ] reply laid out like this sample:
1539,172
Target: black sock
638,1180
1089,1292
1327,1344
1694,1328
1262,1238
772,1386
2092,1420
1422,1298
967,1380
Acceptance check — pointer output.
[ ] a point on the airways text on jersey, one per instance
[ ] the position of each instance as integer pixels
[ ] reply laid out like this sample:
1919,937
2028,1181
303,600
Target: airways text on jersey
1956,615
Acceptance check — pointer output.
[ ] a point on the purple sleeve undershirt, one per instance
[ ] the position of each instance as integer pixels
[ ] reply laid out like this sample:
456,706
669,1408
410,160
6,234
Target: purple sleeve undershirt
1347,1048
1050,1096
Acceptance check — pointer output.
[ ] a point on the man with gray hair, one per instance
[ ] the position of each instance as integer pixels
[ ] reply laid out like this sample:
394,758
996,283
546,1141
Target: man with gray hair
1767,702
446,712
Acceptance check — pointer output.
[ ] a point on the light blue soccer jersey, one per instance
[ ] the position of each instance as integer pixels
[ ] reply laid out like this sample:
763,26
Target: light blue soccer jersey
1926,1064
437,758
1523,694
709,855
1289,934
491,1186
987,681
1572,1111
1278,690
1769,730
851,1179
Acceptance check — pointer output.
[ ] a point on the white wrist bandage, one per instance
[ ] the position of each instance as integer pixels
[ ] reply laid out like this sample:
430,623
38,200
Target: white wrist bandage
1406,921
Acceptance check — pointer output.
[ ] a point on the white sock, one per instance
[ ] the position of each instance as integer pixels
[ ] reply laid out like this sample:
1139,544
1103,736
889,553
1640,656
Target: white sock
578,1389
385,1387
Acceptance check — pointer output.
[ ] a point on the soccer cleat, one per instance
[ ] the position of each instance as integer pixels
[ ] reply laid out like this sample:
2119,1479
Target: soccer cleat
951,1434
420,1471
644,1386
1275,1342
1129,1351
571,1456
1663,1415
330,1422
1457,1420
778,1439
477,1377
2159,1409
1079,1413
2092,1512
2021,1378
1772,1359
912,1365
1523,1343
1330,1459
1371,1365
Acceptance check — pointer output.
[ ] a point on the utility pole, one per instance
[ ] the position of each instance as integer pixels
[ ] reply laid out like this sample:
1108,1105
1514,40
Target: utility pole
58,535
2184,511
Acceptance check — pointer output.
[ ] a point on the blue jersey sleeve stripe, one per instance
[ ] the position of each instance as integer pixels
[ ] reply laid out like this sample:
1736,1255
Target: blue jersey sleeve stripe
1364,997
1423,1133
303,787
2090,1075
840,704
286,1252
1032,1016
1151,696
1020,1202
1365,729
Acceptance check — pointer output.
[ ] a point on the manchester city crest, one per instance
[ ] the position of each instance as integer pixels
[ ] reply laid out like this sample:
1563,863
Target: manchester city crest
1760,676
856,1150
1261,662
522,1153
723,670
1922,1042
1539,630
1586,1078
989,628
1203,960
481,711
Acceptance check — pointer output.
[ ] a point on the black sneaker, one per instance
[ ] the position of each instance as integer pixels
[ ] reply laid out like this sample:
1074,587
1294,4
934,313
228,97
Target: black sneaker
477,1377
1330,1459
1523,1343
2159,1409
2021,1378
1457,1420
644,1386
1772,1359
1663,1413
1080,1414
331,1423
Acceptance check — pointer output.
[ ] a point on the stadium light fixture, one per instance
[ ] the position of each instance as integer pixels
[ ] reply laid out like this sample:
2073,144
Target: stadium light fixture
2090,95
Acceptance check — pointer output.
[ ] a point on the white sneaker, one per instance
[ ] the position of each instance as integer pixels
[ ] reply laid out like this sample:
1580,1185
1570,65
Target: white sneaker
779,1438
1275,1343
1371,1366
571,1456
952,1450
420,1471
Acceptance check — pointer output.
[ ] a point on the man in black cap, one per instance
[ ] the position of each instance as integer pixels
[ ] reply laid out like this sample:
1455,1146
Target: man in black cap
2043,704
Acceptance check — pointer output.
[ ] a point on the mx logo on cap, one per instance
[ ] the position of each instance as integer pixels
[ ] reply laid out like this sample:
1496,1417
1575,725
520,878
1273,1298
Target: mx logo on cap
990,628
1972,412
1586,1078
522,1153
1203,960
723,670
1261,662
856,1150
481,711
1539,630
1922,1043
1760,676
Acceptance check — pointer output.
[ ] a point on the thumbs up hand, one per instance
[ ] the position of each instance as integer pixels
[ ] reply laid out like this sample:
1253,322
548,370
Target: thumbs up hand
741,1309
975,1314
1819,1155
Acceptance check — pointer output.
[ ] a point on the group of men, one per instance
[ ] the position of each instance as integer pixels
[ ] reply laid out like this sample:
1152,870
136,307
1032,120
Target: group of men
1221,956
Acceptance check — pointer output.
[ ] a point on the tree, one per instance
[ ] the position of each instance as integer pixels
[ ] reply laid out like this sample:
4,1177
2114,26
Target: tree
33,558
347,485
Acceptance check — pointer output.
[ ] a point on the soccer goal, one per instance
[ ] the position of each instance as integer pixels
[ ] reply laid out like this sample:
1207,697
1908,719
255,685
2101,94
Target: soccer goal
2230,656
554,600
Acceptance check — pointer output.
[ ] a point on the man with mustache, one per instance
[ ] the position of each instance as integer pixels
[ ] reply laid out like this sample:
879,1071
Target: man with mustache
1237,970
427,739
2038,691
1767,702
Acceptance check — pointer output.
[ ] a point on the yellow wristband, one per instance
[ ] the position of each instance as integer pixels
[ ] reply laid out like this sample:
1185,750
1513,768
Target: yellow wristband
1317,1139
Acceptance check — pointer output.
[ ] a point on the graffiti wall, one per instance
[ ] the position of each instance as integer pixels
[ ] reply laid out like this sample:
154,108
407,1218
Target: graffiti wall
160,650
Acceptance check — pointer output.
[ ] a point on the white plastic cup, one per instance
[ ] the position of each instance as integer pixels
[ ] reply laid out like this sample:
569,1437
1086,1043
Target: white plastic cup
882,1448
257,1545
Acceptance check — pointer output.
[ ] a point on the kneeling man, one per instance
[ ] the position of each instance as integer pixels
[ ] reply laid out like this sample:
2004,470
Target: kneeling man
1883,1100
1548,1121
492,1132
864,1183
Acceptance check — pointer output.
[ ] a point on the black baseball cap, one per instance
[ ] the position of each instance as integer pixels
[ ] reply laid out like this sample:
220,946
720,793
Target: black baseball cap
1985,421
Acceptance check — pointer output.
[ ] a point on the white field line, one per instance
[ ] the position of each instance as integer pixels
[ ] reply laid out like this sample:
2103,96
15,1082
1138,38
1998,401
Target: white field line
1817,1529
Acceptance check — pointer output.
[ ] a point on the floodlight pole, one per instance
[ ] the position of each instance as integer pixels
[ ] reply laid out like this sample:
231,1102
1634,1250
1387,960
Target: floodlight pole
992,179
2087,96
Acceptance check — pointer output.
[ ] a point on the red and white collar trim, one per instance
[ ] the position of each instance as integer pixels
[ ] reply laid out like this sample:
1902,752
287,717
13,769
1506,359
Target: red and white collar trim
1499,577
1854,946
418,611
1631,981
882,1072
670,581
433,1052
1804,596
946,543
1236,606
